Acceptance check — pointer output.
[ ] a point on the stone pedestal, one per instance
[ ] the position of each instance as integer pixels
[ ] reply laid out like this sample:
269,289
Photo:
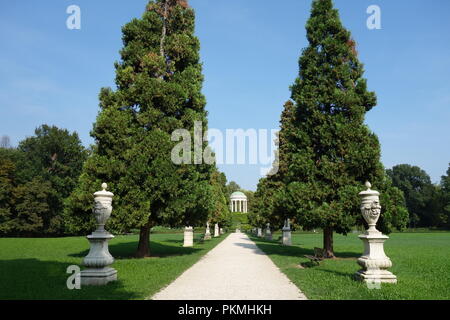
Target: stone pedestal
259,233
287,240
207,232
374,261
188,237
216,230
268,232
98,277
98,258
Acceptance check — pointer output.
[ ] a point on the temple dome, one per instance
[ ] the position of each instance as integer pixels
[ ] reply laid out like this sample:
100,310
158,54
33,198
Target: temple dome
238,202
238,195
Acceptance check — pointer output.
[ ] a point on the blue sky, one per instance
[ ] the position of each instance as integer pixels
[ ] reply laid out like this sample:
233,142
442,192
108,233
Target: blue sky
250,51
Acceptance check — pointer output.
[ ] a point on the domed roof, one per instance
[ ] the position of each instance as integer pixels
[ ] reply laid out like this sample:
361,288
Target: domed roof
238,194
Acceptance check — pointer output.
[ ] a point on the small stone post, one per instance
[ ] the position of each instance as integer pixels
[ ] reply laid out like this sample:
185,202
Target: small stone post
287,241
221,231
259,233
268,232
207,232
188,237
98,258
374,261
216,230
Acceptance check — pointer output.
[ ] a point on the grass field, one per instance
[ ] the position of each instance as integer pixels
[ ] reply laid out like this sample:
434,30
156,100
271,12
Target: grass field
421,262
36,268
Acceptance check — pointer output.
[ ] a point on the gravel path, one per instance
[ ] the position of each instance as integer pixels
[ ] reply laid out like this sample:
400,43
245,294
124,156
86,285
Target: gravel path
236,269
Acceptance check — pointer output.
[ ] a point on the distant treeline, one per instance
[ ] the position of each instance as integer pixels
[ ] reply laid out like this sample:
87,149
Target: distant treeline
428,204
38,176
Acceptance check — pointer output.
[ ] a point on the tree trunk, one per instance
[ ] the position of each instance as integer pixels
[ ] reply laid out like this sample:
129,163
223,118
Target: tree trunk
164,30
144,242
328,251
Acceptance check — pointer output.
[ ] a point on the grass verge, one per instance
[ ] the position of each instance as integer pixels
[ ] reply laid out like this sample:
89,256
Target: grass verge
36,268
421,262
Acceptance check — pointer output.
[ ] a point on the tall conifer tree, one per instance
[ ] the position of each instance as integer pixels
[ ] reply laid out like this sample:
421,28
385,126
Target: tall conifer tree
159,83
330,152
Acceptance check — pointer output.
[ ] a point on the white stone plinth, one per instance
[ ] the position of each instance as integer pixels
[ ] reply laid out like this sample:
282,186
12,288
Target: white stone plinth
268,234
259,233
98,258
216,230
98,277
374,261
287,239
207,232
188,237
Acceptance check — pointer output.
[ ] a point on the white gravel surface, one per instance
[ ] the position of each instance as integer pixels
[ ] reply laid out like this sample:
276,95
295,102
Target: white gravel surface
236,269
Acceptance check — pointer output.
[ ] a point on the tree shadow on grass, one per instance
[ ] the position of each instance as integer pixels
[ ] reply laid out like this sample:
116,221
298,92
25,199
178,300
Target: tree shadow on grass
278,249
127,250
274,247
339,273
32,279
250,246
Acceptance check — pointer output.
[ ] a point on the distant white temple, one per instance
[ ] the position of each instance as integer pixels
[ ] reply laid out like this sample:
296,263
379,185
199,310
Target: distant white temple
238,202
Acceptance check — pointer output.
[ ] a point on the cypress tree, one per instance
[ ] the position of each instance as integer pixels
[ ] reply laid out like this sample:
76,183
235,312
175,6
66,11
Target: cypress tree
270,193
329,150
265,209
159,81
220,208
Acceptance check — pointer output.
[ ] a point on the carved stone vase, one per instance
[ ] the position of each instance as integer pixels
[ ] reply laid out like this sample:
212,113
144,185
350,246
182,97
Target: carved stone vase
374,261
99,258
207,232
287,239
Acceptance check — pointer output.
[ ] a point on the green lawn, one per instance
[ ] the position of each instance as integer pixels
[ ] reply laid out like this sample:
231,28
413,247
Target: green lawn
36,268
421,262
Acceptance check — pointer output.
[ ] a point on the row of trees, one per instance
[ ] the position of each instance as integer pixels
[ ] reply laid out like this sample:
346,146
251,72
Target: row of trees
428,204
35,180
326,152
159,81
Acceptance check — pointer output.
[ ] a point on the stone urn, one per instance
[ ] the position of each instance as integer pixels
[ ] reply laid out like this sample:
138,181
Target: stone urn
259,233
207,232
287,240
370,208
374,261
98,258
216,230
